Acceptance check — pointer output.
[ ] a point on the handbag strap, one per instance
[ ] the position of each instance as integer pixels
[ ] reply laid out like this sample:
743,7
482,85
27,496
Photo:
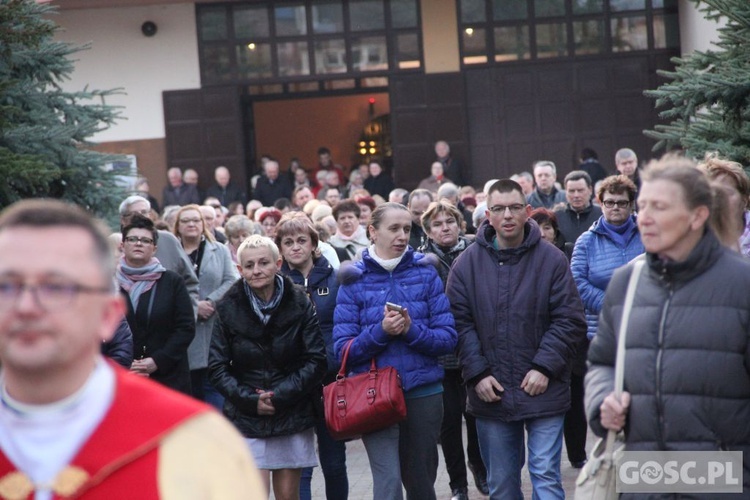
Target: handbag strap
342,370
620,356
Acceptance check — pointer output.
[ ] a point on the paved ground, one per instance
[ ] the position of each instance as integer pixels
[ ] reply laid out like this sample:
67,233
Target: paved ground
360,479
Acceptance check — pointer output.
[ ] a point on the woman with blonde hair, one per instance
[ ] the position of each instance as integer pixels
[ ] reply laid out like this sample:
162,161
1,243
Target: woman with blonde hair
216,272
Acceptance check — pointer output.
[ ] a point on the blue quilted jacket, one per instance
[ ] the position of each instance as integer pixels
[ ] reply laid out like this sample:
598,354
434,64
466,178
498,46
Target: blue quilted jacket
414,284
595,257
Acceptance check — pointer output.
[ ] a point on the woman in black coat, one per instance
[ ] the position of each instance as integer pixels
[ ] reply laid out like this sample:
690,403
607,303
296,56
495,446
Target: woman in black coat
160,313
267,359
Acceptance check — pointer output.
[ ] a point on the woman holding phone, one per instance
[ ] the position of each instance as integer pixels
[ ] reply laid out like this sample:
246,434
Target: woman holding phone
392,307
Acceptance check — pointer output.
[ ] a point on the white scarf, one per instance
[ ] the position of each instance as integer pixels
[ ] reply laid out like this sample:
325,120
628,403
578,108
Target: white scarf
387,264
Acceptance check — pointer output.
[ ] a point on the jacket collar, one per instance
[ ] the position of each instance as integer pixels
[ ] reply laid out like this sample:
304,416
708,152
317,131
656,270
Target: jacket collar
531,237
704,255
319,273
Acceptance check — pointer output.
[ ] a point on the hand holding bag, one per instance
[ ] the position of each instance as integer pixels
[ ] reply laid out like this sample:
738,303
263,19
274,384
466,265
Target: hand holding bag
598,477
363,403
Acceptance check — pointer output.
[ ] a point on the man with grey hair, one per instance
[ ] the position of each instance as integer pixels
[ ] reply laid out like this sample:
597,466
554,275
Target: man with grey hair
526,181
546,194
225,190
169,251
178,192
271,186
398,195
578,214
626,162
449,192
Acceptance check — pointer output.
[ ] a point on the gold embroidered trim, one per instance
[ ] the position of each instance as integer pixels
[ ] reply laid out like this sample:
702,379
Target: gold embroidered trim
17,486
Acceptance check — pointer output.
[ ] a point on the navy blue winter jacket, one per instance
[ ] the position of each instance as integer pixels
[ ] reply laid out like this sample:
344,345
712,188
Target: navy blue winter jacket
414,284
322,287
516,309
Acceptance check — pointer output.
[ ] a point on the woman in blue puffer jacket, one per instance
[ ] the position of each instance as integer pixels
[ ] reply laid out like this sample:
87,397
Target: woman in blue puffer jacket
612,241
410,341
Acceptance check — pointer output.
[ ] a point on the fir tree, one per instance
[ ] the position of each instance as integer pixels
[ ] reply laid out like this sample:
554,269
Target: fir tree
707,98
43,129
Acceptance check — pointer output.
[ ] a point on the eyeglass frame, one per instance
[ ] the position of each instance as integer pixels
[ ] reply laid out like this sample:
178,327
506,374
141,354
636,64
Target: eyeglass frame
514,209
71,289
138,239
619,203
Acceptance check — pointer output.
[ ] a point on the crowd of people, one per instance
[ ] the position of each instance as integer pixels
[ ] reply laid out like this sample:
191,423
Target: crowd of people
510,297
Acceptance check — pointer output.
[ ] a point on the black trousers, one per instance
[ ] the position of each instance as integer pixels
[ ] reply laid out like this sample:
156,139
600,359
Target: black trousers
451,432
575,427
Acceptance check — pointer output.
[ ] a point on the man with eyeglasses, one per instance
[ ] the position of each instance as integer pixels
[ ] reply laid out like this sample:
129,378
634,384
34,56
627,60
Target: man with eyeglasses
169,252
545,194
579,213
520,321
71,423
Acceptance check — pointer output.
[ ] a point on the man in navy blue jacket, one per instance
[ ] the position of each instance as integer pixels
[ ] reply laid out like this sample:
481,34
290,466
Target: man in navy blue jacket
520,322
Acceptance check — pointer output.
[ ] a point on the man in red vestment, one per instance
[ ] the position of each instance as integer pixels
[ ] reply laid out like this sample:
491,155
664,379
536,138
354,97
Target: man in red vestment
71,423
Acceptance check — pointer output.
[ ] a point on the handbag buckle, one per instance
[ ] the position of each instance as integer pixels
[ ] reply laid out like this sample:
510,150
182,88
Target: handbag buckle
371,392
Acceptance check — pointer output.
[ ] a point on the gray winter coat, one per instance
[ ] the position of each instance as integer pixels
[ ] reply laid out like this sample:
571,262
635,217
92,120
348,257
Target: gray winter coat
687,362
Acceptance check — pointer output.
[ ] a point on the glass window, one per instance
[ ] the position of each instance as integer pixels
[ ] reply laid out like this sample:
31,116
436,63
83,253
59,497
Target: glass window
512,43
349,83
551,40
327,18
213,24
374,81
271,88
666,31
366,15
629,33
330,56
619,5
587,6
473,11
369,53
474,45
250,22
404,13
293,58
217,65
588,36
303,87
254,60
407,51
549,8
290,21
506,10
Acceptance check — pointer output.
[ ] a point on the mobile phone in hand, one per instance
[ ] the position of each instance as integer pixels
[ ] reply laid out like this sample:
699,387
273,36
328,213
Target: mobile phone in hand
394,307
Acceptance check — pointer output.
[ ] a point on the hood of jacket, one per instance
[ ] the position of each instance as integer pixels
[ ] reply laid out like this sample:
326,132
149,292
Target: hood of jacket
532,235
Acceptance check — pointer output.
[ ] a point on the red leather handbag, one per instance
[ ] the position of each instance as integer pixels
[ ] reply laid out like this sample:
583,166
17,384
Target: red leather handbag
363,403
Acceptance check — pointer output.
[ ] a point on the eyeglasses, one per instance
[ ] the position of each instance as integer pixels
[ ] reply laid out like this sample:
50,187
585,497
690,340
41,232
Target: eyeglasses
619,203
515,209
190,221
48,296
144,213
135,239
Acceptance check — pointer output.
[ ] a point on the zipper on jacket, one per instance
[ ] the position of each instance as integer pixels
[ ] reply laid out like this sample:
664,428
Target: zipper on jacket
659,354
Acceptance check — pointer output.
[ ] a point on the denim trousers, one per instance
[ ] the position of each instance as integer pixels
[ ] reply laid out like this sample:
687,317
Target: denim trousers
332,454
407,452
503,450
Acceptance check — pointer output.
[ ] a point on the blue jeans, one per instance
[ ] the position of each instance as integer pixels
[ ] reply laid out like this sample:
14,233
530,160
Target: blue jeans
332,455
503,452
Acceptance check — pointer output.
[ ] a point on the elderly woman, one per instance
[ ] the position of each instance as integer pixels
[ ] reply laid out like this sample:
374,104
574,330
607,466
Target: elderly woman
268,360
366,206
547,221
441,222
297,239
160,313
612,242
435,180
350,235
237,229
410,340
216,272
686,383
